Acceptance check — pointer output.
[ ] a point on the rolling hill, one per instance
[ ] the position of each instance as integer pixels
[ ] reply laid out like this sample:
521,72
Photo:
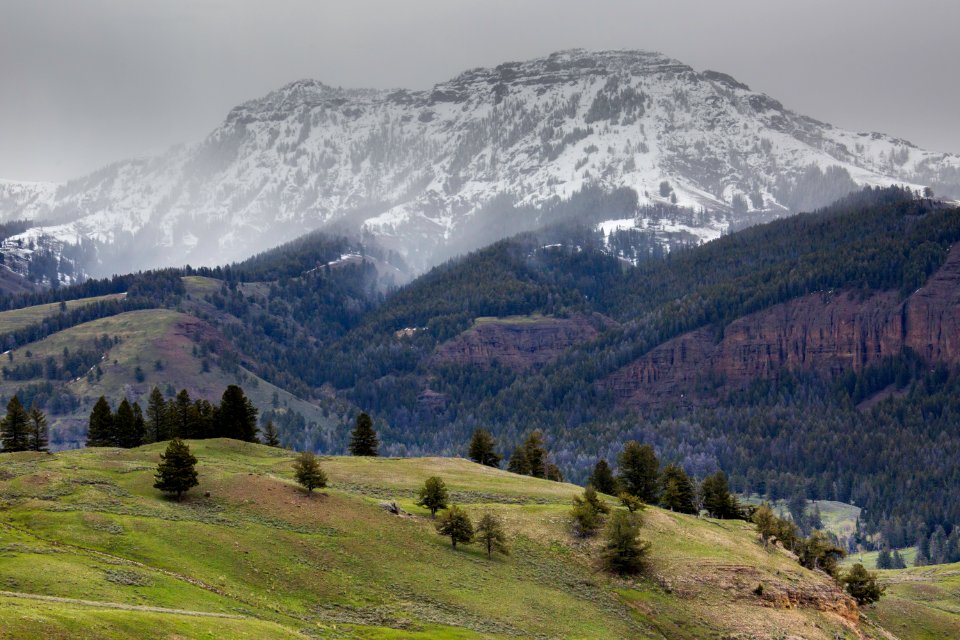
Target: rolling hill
91,550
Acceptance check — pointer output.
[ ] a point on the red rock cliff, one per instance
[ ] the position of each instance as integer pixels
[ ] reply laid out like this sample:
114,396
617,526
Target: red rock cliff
826,333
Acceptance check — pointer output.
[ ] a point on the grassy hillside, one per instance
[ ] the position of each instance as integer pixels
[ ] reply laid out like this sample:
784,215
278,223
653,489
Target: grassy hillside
171,350
19,318
921,603
90,550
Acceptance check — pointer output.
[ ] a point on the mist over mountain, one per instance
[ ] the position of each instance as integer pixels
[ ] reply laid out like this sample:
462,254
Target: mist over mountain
429,174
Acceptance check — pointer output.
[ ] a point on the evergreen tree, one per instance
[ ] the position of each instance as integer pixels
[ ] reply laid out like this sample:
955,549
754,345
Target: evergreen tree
307,471
139,425
270,436
639,471
717,499
176,472
553,473
15,427
203,418
677,492
588,510
536,454
632,502
456,524
602,478
623,551
766,522
179,412
862,585
897,561
101,432
237,417
482,446
124,427
39,436
884,561
819,552
491,535
363,440
157,429
518,462
433,495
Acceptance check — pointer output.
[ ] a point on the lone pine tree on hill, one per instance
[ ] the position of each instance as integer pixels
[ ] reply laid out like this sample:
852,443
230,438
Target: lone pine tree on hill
862,585
434,495
491,535
15,427
623,551
363,440
307,471
482,446
455,524
177,471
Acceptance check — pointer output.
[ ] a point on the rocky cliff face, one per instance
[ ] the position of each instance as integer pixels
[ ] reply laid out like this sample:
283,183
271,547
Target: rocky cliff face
825,333
519,343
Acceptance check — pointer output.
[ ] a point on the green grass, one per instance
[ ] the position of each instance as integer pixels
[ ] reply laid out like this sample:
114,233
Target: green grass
921,603
531,319
20,318
869,558
87,525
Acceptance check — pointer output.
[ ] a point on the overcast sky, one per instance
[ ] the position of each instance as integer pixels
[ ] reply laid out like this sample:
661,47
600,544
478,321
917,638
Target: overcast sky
83,83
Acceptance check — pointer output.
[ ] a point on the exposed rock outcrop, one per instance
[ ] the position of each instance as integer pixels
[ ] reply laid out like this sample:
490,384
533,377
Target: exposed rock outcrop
519,343
826,333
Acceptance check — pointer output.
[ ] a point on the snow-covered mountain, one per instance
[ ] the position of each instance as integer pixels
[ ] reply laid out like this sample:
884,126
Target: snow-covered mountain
417,169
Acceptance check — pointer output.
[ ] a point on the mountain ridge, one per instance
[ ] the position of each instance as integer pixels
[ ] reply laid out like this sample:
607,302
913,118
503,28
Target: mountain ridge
415,169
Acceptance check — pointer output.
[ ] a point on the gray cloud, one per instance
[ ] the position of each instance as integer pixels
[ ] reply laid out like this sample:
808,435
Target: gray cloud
85,83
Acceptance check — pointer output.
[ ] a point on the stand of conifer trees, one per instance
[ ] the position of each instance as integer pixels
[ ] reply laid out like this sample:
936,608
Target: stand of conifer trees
179,417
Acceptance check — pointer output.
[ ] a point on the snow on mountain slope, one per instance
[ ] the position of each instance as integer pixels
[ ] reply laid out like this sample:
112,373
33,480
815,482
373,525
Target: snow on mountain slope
412,168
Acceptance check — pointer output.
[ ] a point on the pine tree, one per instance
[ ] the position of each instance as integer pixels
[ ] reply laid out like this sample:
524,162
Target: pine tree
307,471
179,416
677,493
897,561
482,446
717,499
39,436
819,552
455,524
157,429
363,440
518,462
631,502
124,427
553,473
587,512
15,427
602,478
884,561
639,471
766,522
237,417
536,454
433,495
101,432
176,472
862,585
270,436
491,535
139,425
623,551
